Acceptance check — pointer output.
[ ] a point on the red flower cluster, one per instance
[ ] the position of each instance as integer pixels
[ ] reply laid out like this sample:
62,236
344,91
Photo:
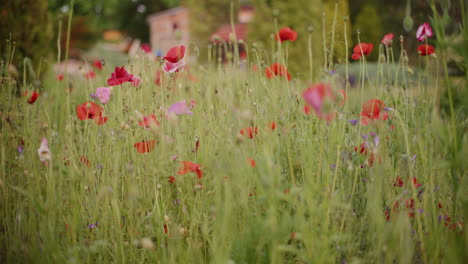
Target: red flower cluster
249,132
362,49
119,76
286,34
277,69
91,110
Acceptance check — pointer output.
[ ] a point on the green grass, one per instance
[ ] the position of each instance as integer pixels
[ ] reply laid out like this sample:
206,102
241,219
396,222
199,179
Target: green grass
295,206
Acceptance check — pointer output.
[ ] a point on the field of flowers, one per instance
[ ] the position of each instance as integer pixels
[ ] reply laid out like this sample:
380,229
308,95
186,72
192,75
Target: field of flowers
162,161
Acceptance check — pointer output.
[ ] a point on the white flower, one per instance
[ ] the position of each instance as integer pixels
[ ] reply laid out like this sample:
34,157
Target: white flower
44,151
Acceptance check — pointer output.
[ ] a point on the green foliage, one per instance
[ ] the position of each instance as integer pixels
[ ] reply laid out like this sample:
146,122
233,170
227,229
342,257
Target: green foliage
370,26
28,24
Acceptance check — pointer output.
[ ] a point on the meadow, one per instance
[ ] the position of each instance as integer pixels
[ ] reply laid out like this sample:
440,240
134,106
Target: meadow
235,162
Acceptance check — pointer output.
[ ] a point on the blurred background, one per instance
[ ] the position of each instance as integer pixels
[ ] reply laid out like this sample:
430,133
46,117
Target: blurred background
111,29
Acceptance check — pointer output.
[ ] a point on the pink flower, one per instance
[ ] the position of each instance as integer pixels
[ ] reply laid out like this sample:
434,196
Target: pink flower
424,31
179,108
321,97
170,67
387,39
90,75
119,76
44,151
103,94
136,81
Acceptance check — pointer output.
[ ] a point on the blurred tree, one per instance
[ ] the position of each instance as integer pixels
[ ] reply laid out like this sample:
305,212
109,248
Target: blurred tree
28,23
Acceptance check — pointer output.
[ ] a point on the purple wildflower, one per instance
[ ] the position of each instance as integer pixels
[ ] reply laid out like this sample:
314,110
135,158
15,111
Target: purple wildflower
414,158
93,225
333,166
93,96
20,149
388,109
353,122
376,140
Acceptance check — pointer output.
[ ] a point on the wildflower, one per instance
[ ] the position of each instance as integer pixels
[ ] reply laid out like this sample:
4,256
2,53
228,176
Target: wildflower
410,203
148,121
277,69
363,150
415,182
306,109
320,97
251,162
103,94
91,226
135,81
175,54
189,166
90,75
145,47
250,132
425,50
398,182
44,152
159,78
424,31
362,49
85,161
180,108
170,67
272,125
353,122
286,34
387,39
97,64
371,110
60,77
119,76
33,97
145,146
172,179
90,110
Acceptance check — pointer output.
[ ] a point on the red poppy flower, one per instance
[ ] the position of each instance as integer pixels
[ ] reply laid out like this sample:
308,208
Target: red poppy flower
119,76
398,182
415,182
272,125
60,77
425,50
175,54
250,132
90,75
277,69
97,64
189,166
145,146
148,120
286,34
91,110
362,49
371,110
172,179
32,98
251,162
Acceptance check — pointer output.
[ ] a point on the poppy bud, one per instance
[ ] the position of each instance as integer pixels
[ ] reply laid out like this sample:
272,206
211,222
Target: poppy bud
182,231
147,243
276,12
166,218
408,23
310,29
